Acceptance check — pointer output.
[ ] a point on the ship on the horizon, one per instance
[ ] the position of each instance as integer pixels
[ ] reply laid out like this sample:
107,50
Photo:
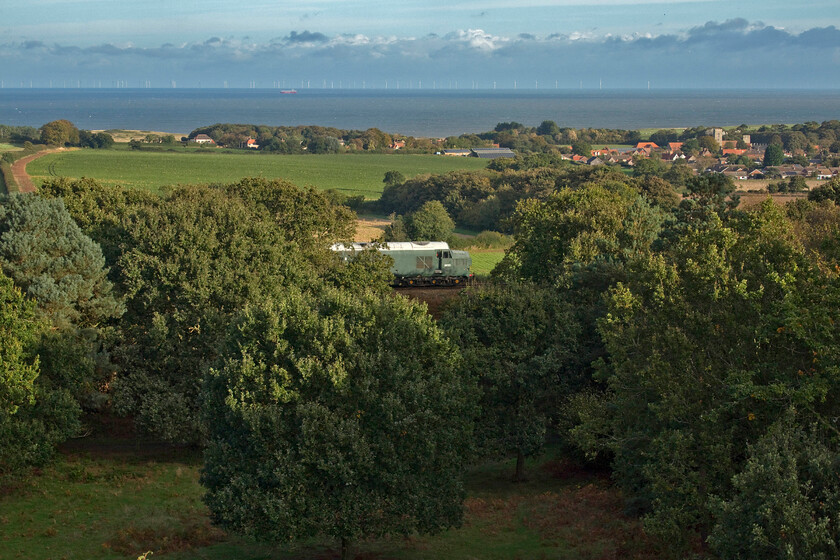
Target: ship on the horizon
288,91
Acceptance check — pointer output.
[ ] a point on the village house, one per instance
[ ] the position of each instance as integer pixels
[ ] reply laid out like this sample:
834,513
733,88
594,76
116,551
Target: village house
605,151
202,139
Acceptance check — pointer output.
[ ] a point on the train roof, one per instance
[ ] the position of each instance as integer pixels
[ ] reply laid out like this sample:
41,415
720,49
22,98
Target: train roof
395,246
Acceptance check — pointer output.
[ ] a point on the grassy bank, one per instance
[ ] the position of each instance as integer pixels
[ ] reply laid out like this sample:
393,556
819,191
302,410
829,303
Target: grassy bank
352,174
96,505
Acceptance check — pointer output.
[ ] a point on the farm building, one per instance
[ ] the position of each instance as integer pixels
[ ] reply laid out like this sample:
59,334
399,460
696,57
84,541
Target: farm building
492,153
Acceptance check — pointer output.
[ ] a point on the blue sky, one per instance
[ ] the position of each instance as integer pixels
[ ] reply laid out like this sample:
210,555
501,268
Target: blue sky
567,43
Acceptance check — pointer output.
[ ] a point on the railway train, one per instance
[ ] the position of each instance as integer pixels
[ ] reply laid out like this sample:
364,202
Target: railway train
418,263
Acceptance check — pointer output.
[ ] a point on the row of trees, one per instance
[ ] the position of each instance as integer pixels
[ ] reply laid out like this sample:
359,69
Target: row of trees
64,133
691,346
548,137
707,352
487,199
310,139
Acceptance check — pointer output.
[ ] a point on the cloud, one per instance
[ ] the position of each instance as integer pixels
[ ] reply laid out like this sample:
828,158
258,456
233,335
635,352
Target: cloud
732,53
306,37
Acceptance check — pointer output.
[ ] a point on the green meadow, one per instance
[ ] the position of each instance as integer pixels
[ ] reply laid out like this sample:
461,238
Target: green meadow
108,503
352,174
484,260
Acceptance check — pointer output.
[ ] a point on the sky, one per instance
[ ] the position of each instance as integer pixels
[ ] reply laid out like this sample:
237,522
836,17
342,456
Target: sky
421,44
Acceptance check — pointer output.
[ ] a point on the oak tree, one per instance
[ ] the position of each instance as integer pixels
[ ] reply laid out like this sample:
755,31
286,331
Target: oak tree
342,416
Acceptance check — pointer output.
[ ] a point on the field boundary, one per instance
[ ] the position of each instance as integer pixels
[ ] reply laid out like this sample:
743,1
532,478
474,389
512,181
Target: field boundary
21,179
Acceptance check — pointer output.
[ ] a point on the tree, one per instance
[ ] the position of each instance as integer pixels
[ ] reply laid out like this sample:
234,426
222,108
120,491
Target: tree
97,140
709,143
49,257
18,366
60,133
508,126
709,344
691,147
678,174
186,263
36,413
397,230
558,237
342,416
774,155
582,148
19,370
796,142
516,340
797,184
323,145
548,128
189,263
648,167
63,271
393,178
785,499
660,192
827,191
663,137
431,223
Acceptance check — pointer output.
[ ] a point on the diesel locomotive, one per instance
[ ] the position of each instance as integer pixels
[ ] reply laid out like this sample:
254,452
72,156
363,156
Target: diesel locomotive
418,263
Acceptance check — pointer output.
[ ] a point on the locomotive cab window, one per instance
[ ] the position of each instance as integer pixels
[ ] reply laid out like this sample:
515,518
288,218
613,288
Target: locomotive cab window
447,255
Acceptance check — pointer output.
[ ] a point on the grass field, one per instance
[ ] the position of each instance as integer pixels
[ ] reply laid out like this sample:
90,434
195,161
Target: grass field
484,260
92,506
352,174
8,148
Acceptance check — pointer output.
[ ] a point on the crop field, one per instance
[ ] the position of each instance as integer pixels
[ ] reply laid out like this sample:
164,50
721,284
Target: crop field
8,148
93,505
352,174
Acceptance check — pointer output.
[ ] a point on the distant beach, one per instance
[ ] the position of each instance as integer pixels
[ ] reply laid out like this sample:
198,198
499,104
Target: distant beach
426,113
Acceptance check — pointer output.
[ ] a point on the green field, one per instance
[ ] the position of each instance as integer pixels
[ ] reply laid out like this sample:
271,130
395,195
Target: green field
8,148
352,174
484,260
107,503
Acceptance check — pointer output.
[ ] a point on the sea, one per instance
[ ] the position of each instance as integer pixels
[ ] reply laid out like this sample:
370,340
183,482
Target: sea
412,112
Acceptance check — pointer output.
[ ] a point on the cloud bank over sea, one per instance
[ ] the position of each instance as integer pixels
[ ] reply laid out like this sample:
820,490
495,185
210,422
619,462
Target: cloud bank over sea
734,53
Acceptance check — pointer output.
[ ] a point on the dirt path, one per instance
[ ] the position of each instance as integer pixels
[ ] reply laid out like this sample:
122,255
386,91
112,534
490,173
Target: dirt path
22,179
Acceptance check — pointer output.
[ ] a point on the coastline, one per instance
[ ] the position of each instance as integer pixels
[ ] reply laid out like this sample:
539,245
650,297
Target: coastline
413,112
